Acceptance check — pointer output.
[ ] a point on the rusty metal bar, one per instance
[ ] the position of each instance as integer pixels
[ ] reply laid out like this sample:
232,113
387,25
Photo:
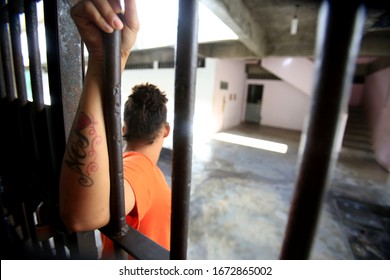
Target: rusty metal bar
6,52
30,8
16,8
50,120
65,69
338,41
125,238
112,119
139,246
185,80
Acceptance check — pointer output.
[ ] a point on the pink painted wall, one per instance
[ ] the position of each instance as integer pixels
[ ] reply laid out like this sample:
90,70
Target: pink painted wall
297,71
356,95
377,102
283,105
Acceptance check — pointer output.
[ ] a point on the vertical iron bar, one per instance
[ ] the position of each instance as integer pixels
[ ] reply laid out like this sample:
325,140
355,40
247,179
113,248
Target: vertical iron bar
185,80
14,19
3,91
34,53
112,119
338,41
30,11
21,144
64,63
57,77
6,52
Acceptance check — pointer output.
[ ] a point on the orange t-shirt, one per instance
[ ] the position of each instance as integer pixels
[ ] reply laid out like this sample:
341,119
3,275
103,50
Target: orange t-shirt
151,214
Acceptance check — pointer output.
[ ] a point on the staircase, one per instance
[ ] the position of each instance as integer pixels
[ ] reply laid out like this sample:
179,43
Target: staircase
357,136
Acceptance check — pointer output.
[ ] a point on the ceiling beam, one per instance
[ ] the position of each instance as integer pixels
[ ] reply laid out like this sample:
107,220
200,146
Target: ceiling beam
239,19
225,49
163,54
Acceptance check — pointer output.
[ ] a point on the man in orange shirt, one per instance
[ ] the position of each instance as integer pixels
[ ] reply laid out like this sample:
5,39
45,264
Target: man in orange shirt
85,183
145,127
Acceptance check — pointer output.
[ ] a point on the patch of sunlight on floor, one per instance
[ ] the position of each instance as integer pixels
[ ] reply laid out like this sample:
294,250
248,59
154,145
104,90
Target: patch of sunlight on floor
251,142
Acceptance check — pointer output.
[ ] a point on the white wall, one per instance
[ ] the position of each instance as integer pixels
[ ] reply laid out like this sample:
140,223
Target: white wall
283,105
203,119
162,78
228,103
165,80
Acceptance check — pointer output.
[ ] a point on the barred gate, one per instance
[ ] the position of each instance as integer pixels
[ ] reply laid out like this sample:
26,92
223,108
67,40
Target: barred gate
33,134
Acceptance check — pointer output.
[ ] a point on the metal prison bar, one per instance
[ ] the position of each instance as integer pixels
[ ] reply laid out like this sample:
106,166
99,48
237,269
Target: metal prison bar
338,42
29,166
32,127
186,65
185,80
112,119
140,247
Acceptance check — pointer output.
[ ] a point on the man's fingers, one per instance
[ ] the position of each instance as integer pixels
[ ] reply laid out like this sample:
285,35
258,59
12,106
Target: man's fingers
108,13
92,15
99,12
131,16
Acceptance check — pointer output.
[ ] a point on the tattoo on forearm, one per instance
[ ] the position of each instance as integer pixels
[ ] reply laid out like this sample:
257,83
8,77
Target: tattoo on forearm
81,154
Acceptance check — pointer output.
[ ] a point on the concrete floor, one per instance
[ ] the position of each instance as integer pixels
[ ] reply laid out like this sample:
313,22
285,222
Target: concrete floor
240,200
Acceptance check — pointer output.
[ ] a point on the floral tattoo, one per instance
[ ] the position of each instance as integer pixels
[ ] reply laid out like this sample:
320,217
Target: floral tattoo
81,154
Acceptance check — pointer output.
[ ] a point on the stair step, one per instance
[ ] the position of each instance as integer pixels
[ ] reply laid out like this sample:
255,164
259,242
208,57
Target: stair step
358,146
362,141
357,124
357,136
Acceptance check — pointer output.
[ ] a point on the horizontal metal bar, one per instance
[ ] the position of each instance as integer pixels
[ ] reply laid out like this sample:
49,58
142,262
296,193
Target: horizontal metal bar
138,245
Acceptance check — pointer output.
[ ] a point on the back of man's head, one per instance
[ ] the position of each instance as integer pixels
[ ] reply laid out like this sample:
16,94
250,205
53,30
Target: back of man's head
145,113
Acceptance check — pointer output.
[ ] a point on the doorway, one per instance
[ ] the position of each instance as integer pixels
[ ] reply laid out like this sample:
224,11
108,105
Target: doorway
253,104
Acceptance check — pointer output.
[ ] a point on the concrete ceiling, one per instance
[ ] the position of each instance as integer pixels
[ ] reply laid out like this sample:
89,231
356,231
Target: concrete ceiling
263,28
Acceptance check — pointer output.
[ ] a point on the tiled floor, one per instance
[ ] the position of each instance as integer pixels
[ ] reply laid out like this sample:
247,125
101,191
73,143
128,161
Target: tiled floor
240,200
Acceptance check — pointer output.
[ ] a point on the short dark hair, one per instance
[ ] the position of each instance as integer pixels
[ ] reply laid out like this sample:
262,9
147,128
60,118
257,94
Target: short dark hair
145,112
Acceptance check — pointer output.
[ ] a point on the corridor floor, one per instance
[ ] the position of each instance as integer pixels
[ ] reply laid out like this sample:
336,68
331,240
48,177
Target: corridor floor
240,200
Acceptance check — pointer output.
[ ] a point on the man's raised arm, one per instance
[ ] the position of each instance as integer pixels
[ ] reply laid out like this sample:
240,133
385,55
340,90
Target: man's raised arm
84,182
